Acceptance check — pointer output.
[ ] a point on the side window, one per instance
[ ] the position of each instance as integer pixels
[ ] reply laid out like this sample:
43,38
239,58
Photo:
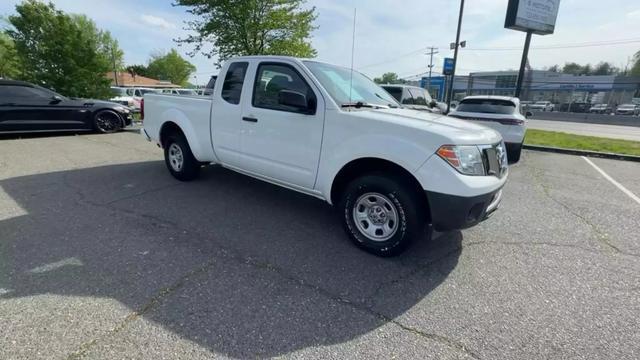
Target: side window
418,97
233,80
407,99
137,93
271,80
130,92
13,91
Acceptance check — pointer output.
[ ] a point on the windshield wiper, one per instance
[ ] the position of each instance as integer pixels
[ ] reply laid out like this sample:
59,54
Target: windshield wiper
360,104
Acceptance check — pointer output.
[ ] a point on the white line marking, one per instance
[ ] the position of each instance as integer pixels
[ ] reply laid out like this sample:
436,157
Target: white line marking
617,184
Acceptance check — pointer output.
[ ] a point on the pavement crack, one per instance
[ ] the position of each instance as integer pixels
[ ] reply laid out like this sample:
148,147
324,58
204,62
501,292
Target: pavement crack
601,236
153,302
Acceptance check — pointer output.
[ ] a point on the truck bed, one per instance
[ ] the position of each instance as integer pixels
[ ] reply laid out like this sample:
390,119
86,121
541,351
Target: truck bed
190,113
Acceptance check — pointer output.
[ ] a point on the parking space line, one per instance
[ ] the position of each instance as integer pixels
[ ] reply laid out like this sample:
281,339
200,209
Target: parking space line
611,180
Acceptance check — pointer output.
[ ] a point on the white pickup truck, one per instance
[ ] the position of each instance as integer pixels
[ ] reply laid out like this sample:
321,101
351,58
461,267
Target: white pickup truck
331,133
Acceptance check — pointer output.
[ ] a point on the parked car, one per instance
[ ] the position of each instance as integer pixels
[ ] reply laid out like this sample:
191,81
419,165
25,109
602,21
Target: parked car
542,106
334,134
574,107
119,95
600,109
208,89
628,109
500,113
26,107
412,97
189,92
138,93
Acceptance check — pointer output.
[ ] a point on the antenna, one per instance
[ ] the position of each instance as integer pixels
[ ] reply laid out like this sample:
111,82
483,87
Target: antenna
353,48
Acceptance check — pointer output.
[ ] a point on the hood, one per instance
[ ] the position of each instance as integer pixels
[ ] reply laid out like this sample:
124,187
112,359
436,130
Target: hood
455,131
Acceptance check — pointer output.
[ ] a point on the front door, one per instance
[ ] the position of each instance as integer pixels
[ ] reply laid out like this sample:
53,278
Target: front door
282,142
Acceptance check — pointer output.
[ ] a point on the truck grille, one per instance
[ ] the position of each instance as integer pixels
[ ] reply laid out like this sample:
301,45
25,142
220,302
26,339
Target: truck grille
495,159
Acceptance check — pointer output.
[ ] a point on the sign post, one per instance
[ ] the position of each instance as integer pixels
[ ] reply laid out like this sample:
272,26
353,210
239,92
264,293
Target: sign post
533,17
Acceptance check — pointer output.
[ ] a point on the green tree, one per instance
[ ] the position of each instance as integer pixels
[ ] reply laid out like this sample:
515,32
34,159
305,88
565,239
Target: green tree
250,27
554,68
635,69
389,78
605,68
9,64
137,70
170,66
64,52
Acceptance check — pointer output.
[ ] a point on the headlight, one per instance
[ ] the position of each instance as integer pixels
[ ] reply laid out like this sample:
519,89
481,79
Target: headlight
122,109
466,159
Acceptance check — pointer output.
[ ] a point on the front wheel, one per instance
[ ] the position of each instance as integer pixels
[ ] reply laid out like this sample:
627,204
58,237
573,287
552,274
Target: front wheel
107,122
179,158
381,215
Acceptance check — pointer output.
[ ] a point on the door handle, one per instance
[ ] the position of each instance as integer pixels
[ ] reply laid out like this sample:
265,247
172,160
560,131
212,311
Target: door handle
249,119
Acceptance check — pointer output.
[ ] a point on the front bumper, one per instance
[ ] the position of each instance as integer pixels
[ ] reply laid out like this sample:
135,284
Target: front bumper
452,212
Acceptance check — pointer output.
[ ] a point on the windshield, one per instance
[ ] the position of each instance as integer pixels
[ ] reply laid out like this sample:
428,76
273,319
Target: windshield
186,92
627,106
541,103
337,81
146,91
487,106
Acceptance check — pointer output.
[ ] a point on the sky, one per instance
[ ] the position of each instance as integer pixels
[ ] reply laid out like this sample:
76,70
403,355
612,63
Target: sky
393,35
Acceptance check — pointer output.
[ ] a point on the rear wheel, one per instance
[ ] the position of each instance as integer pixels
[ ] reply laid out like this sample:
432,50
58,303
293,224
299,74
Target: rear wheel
179,158
106,122
513,153
381,215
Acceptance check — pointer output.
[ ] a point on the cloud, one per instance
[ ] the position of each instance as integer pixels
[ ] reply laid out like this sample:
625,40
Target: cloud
157,21
634,14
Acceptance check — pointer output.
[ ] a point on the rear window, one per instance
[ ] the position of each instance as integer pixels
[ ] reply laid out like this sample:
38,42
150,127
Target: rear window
487,106
396,92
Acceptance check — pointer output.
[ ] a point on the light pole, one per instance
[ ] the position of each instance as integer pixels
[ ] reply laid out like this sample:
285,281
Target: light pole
432,51
455,57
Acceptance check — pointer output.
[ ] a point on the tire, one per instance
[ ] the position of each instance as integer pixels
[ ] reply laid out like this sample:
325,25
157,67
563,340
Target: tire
107,122
386,208
179,158
513,154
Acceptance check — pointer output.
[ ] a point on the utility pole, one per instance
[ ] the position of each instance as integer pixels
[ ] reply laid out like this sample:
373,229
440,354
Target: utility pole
523,64
432,51
115,68
455,57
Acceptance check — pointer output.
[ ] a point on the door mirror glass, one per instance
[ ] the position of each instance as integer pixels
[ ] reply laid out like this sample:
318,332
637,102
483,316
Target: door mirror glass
294,99
528,114
55,99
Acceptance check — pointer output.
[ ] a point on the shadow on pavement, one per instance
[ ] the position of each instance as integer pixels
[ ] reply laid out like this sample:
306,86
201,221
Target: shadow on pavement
233,264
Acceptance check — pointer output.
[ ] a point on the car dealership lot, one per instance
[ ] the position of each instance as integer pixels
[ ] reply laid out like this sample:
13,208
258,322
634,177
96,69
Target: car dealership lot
104,255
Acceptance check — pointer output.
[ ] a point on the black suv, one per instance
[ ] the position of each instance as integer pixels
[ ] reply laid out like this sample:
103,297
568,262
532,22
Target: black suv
26,107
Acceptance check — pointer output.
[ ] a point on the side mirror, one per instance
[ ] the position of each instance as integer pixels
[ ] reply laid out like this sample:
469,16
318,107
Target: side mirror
55,99
433,104
528,114
296,100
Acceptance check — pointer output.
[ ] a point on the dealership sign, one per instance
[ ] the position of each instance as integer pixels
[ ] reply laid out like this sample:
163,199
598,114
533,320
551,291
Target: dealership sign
535,16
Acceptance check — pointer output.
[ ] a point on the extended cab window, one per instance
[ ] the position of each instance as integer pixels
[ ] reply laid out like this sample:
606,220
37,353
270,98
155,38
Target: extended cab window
233,80
271,79
396,92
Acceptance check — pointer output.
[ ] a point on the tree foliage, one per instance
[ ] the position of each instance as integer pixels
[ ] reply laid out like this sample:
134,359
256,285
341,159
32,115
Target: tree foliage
9,64
602,68
635,69
64,52
137,69
170,66
389,78
250,27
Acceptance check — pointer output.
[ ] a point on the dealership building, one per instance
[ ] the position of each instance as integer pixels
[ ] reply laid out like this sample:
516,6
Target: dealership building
541,85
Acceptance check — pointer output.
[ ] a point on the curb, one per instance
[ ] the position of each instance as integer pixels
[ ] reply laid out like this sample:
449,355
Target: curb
582,153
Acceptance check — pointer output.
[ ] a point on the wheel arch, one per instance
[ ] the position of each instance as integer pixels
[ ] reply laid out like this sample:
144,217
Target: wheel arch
367,165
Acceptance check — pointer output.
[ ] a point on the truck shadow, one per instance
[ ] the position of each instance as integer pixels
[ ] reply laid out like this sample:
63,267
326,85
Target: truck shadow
238,266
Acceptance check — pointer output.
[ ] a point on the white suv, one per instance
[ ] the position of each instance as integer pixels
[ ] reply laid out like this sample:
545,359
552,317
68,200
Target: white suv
500,113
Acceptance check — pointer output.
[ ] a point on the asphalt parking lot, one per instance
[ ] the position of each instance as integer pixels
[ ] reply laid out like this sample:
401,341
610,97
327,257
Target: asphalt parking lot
103,255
